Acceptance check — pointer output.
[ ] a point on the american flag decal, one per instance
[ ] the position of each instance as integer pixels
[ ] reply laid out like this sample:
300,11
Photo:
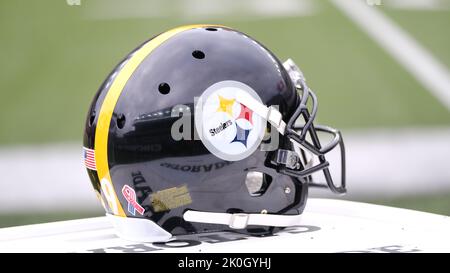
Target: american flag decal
89,158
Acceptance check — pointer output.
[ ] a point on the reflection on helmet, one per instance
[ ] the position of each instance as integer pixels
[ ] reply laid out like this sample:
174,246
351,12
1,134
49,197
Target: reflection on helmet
226,93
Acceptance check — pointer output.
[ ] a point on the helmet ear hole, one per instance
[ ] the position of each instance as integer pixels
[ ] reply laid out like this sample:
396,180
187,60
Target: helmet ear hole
257,183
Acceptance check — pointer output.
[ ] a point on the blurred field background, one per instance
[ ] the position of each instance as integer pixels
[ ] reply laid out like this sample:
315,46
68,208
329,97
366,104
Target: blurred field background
54,56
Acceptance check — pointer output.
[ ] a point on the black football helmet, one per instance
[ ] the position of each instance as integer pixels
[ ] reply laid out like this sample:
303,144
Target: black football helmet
196,131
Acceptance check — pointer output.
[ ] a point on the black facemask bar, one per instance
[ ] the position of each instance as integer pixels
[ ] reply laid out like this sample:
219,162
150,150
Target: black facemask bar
299,133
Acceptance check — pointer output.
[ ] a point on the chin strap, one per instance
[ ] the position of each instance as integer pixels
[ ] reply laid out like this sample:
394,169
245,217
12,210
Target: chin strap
242,220
271,114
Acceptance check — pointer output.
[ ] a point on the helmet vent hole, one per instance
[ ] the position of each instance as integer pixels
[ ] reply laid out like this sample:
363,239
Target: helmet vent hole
257,183
164,88
211,29
120,121
198,54
92,118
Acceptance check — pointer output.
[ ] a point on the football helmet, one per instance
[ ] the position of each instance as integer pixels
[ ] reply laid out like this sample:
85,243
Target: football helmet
203,129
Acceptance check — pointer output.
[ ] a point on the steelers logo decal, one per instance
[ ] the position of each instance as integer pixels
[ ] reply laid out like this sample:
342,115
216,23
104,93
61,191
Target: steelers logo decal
228,128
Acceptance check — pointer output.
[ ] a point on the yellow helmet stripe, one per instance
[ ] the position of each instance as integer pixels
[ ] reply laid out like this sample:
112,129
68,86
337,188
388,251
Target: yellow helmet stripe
109,103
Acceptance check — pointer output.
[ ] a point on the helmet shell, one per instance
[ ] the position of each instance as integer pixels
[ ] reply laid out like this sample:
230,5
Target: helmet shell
170,176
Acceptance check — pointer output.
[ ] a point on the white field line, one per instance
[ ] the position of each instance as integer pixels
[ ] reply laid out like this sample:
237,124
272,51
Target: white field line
386,163
432,74
44,177
199,9
379,163
425,5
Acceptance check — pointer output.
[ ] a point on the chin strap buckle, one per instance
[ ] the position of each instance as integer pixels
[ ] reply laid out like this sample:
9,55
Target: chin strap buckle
238,220
288,158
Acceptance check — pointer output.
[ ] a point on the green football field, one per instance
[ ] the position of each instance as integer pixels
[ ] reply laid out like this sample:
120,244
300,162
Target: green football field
54,57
